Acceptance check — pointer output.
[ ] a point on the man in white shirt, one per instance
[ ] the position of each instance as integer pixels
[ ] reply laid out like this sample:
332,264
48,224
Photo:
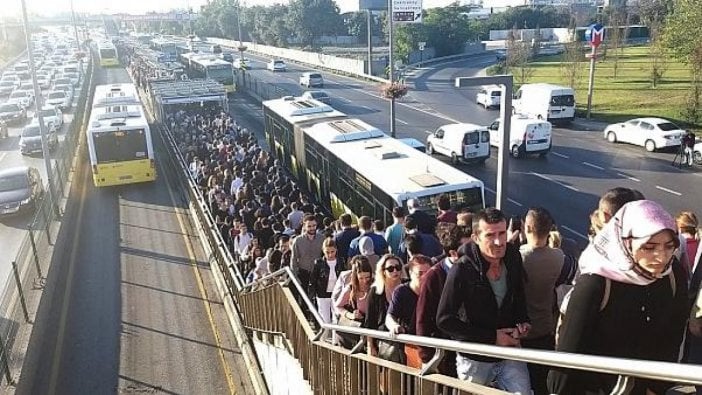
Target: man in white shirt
237,183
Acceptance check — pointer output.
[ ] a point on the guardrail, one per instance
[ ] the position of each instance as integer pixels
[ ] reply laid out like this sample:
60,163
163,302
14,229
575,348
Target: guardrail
269,306
32,261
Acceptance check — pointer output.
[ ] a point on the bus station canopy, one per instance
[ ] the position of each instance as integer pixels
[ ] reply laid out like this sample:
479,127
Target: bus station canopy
187,92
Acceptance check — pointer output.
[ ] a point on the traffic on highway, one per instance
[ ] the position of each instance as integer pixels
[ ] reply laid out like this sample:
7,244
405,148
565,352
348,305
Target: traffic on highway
214,174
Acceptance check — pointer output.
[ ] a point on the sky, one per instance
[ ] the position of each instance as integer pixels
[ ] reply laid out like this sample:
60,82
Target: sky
49,7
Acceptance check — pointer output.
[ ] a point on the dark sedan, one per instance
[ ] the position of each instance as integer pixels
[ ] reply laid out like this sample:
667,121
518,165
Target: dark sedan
20,189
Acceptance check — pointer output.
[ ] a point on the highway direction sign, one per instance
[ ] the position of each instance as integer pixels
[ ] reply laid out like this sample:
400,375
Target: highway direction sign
407,11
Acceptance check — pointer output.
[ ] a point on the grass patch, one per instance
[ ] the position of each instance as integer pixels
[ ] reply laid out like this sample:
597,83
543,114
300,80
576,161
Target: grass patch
630,93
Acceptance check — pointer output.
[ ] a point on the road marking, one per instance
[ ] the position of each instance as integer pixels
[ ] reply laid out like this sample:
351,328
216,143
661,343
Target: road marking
58,349
628,177
668,190
572,188
560,155
2,156
401,121
368,108
582,236
201,287
515,202
588,164
490,190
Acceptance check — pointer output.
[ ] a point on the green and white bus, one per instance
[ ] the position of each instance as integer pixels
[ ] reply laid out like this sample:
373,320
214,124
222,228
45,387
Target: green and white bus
350,166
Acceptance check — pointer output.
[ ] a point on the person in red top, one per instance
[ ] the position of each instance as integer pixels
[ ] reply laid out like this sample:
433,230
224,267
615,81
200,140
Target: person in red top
446,214
428,302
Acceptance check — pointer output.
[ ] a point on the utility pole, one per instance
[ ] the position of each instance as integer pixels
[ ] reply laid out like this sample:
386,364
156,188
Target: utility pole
38,103
370,42
392,68
75,26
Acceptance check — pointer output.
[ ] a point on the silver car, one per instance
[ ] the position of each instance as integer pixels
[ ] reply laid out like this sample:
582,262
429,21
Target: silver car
20,190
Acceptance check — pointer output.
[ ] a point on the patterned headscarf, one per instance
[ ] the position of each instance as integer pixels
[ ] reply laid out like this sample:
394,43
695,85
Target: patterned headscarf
609,254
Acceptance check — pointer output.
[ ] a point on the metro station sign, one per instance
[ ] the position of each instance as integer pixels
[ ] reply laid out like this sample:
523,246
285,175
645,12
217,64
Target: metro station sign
594,35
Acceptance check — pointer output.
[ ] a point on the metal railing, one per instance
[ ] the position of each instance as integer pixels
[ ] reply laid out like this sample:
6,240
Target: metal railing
20,298
262,310
269,306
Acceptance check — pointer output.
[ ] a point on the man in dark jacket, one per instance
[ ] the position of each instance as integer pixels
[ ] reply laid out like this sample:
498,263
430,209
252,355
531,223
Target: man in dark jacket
486,286
345,236
425,222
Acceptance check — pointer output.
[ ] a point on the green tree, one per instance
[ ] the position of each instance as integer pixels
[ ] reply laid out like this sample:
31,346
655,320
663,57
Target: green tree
682,35
310,19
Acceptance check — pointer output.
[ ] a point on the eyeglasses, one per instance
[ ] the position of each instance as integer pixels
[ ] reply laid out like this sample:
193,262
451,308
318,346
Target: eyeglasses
391,269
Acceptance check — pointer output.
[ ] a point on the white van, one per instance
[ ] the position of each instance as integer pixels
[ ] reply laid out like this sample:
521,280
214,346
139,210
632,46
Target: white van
489,96
549,102
462,142
527,136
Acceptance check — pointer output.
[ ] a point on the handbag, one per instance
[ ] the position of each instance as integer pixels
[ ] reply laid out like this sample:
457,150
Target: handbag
390,351
348,340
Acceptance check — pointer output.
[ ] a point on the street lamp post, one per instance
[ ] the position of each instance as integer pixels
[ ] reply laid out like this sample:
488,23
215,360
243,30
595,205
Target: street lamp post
391,75
38,103
506,81
75,26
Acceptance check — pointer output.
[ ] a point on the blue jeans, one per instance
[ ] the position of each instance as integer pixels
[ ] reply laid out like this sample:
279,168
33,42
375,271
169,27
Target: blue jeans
511,376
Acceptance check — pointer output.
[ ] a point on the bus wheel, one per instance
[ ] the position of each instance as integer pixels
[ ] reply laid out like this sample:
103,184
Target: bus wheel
454,158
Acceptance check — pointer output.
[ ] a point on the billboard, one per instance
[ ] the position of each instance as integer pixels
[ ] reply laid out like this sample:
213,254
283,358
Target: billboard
407,11
373,5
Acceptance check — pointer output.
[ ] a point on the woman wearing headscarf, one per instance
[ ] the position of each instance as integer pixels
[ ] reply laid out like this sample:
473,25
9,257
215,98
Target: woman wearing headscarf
629,302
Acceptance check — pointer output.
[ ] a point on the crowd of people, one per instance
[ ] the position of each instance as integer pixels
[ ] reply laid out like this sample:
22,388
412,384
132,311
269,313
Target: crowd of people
482,277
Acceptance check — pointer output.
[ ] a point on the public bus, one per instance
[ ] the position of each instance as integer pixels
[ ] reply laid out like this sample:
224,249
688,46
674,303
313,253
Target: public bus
120,147
209,66
108,54
166,46
351,167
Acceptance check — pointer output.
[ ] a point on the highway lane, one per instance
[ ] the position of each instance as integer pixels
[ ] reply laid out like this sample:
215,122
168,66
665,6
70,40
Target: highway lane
129,300
581,167
13,229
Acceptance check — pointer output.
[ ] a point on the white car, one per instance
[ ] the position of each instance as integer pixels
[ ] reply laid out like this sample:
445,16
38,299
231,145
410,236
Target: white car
651,133
320,96
59,98
242,63
312,79
277,65
43,81
53,117
23,98
489,96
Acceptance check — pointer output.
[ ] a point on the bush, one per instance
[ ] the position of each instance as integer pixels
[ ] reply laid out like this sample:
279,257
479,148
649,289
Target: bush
497,69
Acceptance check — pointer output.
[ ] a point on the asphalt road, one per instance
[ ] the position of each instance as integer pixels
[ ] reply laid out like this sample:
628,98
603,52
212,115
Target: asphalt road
128,306
13,229
581,166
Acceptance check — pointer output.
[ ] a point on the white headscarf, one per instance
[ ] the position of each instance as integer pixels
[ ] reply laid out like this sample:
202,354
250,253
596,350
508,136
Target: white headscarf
609,255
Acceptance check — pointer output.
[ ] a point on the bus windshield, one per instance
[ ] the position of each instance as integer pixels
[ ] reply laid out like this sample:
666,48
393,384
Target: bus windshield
464,198
220,73
120,146
107,53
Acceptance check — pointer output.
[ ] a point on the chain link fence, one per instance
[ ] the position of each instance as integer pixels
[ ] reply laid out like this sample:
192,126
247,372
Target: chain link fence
20,300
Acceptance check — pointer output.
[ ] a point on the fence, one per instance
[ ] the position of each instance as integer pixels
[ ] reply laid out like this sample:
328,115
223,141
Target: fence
268,309
260,90
31,264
